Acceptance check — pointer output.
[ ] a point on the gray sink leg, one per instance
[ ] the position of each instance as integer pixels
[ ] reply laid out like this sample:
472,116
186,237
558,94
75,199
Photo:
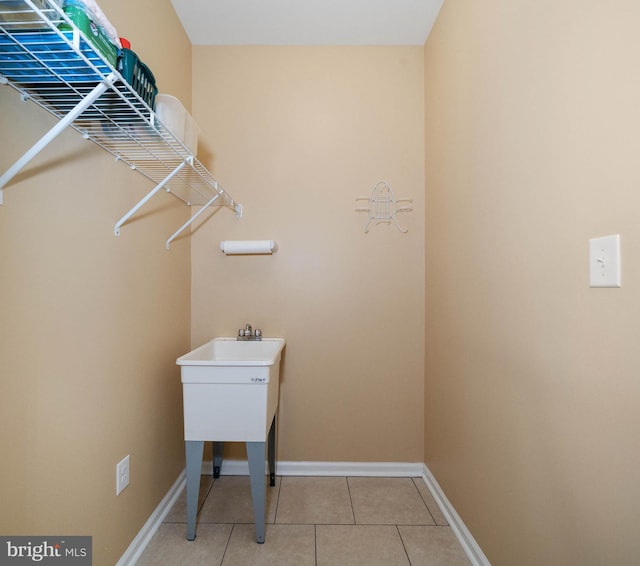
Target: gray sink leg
193,449
255,455
218,452
271,451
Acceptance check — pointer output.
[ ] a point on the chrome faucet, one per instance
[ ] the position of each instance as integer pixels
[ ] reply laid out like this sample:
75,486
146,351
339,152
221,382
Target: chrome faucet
247,333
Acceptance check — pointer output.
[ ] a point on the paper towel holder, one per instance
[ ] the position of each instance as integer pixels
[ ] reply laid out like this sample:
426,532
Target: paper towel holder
248,247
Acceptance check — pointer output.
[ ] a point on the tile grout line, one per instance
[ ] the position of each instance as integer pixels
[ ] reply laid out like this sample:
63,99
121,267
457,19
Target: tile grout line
423,501
403,545
315,544
226,546
275,515
205,497
353,513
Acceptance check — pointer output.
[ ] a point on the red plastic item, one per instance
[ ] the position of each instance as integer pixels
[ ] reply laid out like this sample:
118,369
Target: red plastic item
125,43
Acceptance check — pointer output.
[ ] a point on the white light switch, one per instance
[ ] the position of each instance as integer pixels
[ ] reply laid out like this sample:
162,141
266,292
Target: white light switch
604,261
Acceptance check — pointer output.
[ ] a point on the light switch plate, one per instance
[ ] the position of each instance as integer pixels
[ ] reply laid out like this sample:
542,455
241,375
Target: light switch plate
604,261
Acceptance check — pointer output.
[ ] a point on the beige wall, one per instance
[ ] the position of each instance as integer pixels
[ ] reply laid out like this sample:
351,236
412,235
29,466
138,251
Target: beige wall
91,324
530,399
296,134
532,420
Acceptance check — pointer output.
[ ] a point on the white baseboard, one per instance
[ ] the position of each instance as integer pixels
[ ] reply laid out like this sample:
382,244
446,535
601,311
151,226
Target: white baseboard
138,545
464,536
368,469
363,469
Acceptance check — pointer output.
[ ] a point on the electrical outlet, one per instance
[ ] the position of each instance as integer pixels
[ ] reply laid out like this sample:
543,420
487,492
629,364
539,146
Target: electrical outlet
122,474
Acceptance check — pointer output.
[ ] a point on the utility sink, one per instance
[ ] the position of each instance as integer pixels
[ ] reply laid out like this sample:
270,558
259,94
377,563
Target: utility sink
230,389
230,393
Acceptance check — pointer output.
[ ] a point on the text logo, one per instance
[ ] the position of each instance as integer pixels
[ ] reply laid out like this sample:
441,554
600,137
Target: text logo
45,550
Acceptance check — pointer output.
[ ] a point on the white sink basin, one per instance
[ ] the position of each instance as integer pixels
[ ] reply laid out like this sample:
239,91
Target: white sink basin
233,352
230,389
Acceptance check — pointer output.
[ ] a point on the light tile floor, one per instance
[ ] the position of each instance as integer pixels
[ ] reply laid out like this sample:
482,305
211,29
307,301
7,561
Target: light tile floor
314,521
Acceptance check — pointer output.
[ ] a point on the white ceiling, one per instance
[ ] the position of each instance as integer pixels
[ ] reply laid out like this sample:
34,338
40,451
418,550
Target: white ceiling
307,22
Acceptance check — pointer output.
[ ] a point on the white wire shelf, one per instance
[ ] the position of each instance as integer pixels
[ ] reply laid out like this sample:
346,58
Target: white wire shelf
61,72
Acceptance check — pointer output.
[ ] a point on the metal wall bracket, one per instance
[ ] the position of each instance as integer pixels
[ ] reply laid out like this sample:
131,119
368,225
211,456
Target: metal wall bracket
144,200
190,221
54,132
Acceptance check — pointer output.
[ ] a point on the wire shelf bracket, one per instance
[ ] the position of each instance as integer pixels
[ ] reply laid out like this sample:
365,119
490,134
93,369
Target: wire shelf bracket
144,200
190,221
56,130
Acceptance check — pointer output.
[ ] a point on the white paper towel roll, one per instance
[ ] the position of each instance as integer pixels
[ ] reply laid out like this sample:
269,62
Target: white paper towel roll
236,247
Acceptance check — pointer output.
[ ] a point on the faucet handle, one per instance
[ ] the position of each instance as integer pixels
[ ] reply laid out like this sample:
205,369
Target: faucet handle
258,333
